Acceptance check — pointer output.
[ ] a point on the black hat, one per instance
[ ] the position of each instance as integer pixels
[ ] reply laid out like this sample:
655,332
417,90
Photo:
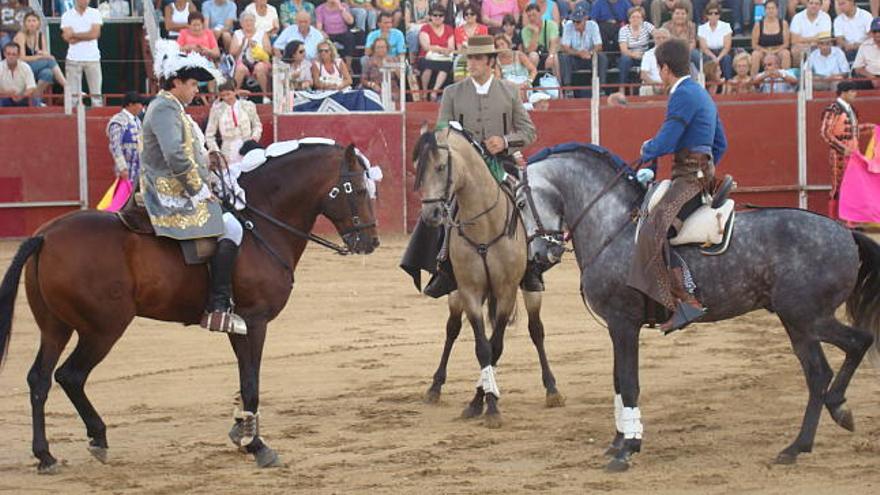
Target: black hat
844,86
131,98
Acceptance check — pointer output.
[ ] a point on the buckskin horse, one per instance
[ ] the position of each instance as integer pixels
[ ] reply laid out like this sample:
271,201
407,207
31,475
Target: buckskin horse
797,264
87,272
487,248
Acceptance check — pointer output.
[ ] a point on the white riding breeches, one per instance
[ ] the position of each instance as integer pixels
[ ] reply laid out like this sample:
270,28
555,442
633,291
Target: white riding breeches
232,229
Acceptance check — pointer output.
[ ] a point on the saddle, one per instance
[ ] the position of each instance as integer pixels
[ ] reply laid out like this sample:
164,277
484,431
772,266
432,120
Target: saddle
135,218
710,224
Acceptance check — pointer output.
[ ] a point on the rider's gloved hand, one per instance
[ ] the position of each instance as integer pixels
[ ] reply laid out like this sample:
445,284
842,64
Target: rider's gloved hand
645,175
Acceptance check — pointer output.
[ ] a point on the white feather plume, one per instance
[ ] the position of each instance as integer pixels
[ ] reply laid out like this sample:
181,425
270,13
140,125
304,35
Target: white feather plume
168,61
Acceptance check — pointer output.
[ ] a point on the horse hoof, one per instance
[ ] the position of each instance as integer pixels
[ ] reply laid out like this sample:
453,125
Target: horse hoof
844,417
99,453
555,399
786,459
471,412
494,421
266,458
432,397
53,467
612,451
617,466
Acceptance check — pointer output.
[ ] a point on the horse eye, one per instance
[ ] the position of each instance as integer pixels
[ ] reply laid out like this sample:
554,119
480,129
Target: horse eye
521,205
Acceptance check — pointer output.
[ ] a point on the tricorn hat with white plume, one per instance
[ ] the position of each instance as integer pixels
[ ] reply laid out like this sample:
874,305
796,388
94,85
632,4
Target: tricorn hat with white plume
169,63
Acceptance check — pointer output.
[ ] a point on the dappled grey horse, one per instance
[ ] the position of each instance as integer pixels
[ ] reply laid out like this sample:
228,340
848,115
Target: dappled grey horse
799,265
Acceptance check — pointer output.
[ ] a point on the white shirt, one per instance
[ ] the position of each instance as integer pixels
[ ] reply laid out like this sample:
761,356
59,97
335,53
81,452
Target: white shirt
834,64
675,86
714,39
649,65
853,29
264,23
19,80
483,89
804,27
83,51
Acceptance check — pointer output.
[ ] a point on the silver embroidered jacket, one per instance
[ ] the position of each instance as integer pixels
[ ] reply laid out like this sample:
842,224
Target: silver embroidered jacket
175,178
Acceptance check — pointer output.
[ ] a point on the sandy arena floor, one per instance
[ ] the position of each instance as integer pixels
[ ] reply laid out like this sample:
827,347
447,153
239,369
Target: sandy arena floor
347,363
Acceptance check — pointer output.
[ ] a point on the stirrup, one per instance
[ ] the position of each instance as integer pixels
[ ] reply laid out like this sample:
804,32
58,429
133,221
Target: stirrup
224,321
684,315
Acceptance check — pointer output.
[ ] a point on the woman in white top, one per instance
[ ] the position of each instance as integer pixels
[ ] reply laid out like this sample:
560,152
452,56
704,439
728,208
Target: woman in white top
177,16
300,73
716,38
634,40
251,49
266,16
329,72
235,120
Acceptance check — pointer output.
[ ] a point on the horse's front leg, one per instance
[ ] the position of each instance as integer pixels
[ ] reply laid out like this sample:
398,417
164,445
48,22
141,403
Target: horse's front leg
453,327
486,387
627,416
246,430
536,332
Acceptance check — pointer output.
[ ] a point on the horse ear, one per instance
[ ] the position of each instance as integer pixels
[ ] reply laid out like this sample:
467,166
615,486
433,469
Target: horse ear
424,127
350,156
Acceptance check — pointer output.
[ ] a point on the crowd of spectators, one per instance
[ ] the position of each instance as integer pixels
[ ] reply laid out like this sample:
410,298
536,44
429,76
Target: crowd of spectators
737,46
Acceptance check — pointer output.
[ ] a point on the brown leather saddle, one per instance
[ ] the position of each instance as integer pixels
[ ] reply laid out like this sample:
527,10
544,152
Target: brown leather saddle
136,219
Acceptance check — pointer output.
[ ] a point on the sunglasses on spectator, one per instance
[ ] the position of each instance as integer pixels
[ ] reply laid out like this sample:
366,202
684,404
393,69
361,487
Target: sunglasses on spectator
468,14
714,12
323,50
435,14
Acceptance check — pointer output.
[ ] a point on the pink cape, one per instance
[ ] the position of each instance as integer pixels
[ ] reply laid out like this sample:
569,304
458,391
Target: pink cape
860,187
116,196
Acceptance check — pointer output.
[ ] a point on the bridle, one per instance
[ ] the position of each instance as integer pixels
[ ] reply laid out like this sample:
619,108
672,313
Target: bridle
555,236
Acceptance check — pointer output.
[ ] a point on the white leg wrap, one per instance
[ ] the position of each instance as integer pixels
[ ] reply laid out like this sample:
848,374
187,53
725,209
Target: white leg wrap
631,420
487,381
618,409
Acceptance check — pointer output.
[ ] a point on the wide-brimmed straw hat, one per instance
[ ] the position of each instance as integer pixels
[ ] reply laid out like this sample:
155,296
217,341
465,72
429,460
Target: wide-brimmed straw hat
824,36
479,45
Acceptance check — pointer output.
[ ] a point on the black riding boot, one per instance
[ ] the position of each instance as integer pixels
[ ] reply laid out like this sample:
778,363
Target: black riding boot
533,280
442,282
687,308
218,315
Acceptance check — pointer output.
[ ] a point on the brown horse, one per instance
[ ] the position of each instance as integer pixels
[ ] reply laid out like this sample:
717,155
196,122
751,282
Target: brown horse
86,272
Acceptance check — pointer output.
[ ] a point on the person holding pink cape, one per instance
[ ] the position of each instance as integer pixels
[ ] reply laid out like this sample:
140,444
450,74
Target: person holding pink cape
860,187
124,134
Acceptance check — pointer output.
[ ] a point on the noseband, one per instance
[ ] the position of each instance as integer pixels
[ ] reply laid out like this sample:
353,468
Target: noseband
550,236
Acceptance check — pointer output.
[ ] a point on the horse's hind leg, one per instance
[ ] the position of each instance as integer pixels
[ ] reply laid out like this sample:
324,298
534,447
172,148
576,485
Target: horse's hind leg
91,349
855,343
453,328
536,332
818,374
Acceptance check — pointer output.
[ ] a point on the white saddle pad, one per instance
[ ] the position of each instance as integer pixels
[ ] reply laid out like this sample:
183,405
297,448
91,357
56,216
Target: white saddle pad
704,226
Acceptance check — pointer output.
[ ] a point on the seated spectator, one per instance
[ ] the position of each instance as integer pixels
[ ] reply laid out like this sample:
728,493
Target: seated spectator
302,31
472,26
797,6
494,12
365,15
371,77
662,9
334,17
513,65
437,42
681,27
867,64
610,15
416,17
395,44
177,16
649,72
775,79
828,63
716,39
511,32
805,29
330,72
851,27
392,7
634,40
741,82
236,121
540,39
266,17
34,52
712,77
581,41
289,8
196,38
300,72
11,17
548,9
770,35
17,83
220,18
250,48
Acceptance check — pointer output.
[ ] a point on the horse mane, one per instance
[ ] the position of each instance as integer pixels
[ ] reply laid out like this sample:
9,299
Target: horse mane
425,147
597,154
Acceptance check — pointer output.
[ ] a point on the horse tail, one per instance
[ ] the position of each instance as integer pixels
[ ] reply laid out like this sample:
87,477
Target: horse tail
9,289
863,305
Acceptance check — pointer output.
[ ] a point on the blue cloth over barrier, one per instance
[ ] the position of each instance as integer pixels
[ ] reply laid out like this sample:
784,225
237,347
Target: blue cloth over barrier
355,100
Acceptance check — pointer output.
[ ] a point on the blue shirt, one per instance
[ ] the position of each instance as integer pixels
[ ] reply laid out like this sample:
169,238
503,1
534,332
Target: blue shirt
587,40
691,123
311,40
396,41
548,14
218,14
603,10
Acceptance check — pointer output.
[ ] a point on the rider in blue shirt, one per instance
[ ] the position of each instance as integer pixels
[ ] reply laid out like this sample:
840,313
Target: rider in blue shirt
693,131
